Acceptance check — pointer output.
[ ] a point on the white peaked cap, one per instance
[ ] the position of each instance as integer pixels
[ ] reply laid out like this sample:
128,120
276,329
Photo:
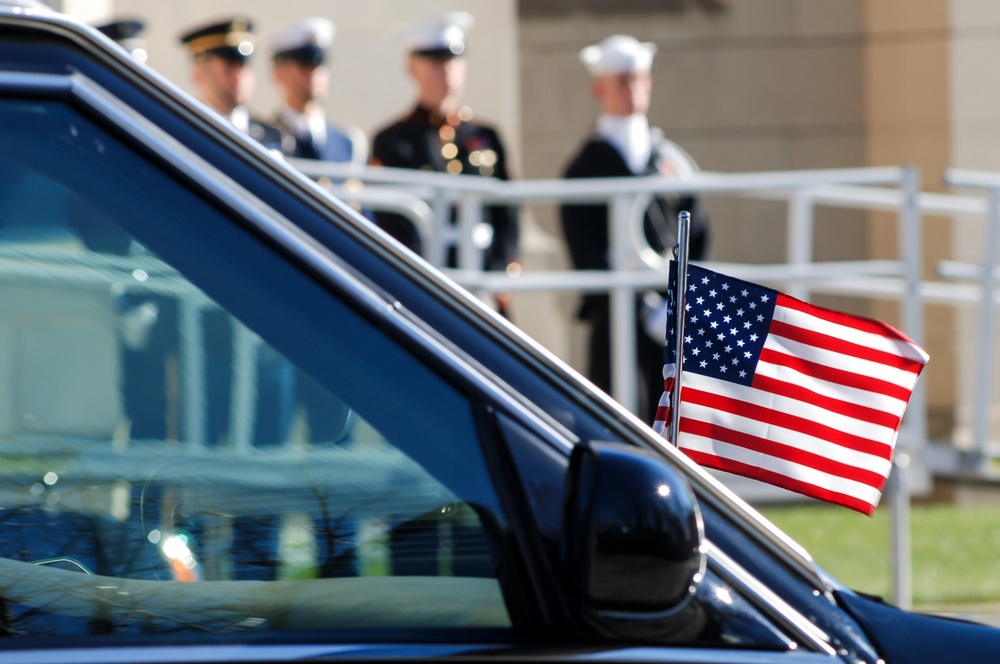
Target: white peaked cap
443,33
618,54
308,32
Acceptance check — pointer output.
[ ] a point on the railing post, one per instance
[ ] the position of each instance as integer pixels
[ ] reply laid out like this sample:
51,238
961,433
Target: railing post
910,461
192,364
244,391
899,497
470,215
987,330
435,248
911,250
800,238
623,321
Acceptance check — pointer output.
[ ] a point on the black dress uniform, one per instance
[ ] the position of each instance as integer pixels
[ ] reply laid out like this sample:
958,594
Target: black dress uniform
585,228
425,140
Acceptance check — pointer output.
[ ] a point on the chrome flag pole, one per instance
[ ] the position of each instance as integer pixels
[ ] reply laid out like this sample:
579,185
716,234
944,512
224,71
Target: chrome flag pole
681,259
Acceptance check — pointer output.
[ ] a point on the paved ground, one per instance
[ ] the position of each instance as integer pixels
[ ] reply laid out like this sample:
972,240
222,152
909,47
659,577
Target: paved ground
988,614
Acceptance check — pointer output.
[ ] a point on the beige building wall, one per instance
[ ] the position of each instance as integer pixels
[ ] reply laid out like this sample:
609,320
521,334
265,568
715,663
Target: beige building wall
369,86
974,124
909,117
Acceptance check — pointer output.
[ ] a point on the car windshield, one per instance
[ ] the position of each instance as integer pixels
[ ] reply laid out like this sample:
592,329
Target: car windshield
196,436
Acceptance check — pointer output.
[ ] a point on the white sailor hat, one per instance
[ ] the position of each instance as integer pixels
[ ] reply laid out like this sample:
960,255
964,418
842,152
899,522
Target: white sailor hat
618,54
304,41
441,36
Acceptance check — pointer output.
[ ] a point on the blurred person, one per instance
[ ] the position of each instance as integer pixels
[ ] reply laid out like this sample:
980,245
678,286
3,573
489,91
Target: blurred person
300,55
220,52
439,134
127,33
622,144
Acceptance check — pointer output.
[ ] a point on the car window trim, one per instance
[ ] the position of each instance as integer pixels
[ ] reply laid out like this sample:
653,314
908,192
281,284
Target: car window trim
768,602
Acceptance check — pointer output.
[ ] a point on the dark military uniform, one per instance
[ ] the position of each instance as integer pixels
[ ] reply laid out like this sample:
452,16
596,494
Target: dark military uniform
424,140
338,147
303,45
265,133
585,228
232,40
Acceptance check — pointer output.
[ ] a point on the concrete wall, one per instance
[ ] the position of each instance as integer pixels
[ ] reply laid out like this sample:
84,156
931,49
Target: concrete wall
973,97
909,120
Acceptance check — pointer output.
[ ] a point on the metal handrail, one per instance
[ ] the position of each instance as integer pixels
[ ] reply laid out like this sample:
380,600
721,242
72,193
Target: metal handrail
891,189
631,267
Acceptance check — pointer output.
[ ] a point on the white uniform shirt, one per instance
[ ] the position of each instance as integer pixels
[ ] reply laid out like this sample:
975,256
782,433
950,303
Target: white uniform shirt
636,141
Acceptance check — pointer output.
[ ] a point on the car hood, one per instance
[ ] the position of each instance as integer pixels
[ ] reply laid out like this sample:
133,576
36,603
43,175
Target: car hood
903,637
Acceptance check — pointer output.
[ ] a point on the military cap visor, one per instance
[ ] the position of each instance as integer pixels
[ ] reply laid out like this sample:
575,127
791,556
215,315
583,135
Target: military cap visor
304,55
230,40
229,53
453,50
122,30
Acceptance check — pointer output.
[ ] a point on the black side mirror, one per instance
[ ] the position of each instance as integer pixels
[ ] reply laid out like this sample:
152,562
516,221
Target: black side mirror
633,555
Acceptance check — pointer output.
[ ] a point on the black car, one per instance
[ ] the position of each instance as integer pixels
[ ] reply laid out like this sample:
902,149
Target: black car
239,423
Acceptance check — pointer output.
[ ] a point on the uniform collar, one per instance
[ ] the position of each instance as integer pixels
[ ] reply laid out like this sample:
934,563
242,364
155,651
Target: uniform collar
427,117
312,123
629,134
240,117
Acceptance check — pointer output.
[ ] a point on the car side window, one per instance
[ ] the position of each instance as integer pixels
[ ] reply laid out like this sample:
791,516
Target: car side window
196,436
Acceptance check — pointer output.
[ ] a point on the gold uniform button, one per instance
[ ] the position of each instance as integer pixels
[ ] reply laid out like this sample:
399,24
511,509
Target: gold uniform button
449,150
454,167
447,133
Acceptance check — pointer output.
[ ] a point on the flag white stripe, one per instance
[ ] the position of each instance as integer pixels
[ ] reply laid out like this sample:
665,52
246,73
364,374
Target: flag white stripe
794,407
835,360
794,471
881,342
875,400
783,436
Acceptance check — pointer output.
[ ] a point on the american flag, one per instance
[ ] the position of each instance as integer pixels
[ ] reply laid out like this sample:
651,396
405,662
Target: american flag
782,391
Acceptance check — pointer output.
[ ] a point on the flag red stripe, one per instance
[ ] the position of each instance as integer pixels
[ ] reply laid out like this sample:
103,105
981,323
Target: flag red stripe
839,376
787,421
837,345
782,451
861,323
839,406
806,488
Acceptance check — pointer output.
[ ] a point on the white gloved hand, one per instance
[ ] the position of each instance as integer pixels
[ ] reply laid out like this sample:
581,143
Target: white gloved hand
654,316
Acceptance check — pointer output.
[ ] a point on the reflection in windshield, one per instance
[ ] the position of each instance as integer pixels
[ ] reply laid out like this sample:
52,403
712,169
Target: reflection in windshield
196,437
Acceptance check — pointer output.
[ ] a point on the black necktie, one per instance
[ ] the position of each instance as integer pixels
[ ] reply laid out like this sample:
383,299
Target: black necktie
305,147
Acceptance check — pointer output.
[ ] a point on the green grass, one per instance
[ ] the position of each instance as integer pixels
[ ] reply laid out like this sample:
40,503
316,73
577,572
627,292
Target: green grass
955,550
